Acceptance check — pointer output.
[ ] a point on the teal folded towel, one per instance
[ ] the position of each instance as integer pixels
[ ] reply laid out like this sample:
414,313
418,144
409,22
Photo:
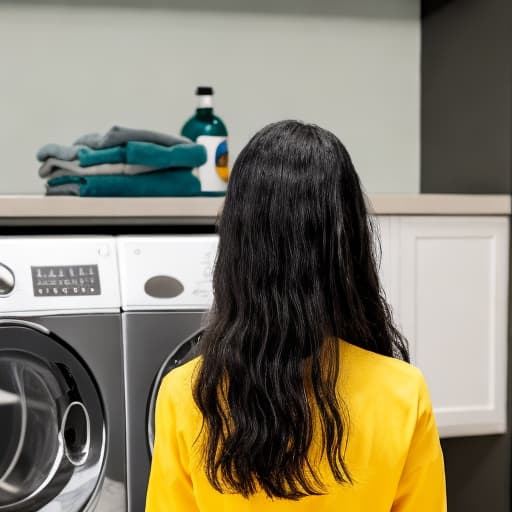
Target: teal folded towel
89,157
146,153
159,183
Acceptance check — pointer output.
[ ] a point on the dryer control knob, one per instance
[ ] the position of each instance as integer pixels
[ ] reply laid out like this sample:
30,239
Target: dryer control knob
6,280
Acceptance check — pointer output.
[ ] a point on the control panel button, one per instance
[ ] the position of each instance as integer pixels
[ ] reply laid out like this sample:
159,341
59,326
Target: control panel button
103,251
6,280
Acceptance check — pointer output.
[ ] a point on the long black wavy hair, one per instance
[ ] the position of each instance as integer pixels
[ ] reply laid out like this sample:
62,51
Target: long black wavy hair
296,271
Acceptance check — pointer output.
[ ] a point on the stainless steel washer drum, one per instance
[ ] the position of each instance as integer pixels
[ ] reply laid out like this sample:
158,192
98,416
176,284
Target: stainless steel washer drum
52,429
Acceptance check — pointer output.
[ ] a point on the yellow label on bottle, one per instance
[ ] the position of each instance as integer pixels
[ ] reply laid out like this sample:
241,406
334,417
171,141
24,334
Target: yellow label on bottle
221,160
214,173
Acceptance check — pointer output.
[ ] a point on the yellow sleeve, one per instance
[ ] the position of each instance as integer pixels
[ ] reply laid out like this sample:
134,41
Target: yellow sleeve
422,485
170,486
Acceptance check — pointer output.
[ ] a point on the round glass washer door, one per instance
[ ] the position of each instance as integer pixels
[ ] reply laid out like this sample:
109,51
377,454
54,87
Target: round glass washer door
184,352
52,428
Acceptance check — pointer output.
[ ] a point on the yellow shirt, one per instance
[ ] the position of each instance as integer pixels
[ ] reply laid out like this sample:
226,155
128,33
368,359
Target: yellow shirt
393,452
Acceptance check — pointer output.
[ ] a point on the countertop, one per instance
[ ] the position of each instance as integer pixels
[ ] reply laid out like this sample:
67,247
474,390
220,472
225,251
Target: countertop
41,210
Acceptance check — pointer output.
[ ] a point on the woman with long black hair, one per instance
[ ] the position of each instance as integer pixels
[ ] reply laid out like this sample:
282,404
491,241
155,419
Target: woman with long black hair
302,398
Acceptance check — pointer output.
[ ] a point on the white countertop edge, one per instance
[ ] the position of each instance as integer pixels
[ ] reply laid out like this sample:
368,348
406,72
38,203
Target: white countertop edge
201,207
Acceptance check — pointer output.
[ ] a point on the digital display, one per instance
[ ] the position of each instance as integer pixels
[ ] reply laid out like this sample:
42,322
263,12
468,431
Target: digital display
67,280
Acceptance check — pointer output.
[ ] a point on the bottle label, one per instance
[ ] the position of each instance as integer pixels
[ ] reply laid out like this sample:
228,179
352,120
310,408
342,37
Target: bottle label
215,172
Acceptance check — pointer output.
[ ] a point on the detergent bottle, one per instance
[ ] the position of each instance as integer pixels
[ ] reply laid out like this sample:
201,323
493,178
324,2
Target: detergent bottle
205,128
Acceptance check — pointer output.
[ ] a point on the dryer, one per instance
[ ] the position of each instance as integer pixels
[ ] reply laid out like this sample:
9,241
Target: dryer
61,376
166,290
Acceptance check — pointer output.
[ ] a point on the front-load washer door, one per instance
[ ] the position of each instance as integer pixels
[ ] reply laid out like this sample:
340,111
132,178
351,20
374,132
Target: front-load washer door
52,428
184,352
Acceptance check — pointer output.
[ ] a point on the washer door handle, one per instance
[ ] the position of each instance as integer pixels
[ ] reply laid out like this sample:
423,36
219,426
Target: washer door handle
75,432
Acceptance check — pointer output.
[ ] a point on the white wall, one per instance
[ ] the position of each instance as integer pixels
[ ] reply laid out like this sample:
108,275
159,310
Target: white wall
69,70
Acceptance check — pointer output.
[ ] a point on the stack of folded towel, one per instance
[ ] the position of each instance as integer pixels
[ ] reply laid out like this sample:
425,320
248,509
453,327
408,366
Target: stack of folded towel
123,162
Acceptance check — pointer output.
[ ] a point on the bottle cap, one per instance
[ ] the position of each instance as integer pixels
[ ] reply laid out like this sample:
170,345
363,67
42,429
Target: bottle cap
204,91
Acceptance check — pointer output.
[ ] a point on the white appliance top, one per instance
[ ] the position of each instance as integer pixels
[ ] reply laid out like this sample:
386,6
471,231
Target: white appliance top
166,272
61,274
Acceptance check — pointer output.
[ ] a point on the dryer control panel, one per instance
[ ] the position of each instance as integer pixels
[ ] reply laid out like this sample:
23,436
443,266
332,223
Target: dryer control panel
166,272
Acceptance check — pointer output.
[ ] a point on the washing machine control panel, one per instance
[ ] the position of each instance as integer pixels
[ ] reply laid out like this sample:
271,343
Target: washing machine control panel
62,280
58,275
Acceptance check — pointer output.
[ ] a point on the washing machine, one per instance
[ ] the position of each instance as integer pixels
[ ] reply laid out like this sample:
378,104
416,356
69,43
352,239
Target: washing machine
166,291
62,442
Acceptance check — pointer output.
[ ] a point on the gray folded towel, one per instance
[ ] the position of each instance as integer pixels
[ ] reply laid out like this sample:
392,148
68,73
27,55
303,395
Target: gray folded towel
53,167
118,136
59,151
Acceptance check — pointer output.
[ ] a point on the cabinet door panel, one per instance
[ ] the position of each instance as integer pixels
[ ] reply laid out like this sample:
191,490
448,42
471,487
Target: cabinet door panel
389,264
382,248
453,309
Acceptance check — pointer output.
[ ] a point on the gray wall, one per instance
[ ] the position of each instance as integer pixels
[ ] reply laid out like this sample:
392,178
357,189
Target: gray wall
465,147
395,9
352,67
465,101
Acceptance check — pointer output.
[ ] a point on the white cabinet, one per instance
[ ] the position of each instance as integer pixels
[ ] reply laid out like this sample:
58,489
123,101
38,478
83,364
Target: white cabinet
447,281
389,270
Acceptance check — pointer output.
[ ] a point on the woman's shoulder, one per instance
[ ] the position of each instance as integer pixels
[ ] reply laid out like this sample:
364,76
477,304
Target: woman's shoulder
366,369
362,371
178,382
